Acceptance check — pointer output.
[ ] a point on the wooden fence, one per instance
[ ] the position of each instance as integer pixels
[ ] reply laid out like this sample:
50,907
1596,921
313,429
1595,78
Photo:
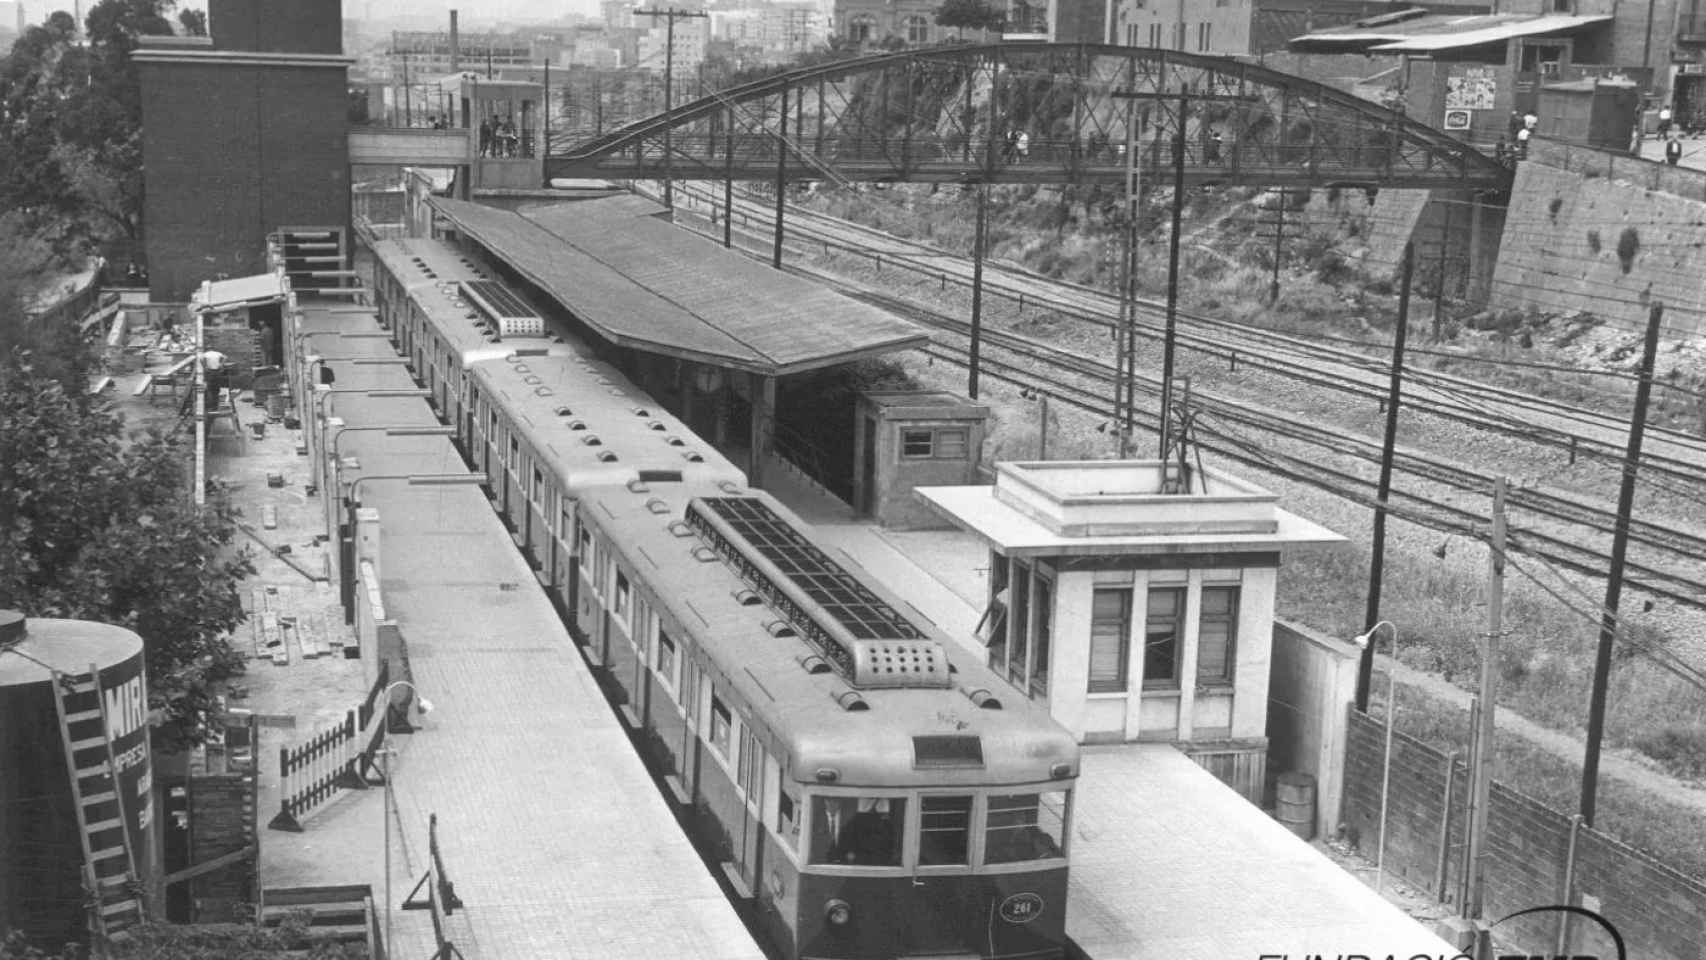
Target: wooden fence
334,758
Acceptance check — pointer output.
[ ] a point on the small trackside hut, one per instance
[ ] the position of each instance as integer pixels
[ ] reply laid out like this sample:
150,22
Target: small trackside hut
1135,606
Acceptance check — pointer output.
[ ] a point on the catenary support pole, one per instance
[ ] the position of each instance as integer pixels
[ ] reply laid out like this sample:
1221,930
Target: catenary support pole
1126,333
729,176
1377,558
1179,140
1482,772
977,287
1619,550
781,181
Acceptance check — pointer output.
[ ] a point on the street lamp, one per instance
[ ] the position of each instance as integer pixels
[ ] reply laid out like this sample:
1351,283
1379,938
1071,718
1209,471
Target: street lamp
385,775
346,571
433,430
1365,641
322,400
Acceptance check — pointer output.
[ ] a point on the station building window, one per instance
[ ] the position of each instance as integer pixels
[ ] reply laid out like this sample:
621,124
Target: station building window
1025,826
944,831
1110,639
917,29
1162,635
858,831
939,444
1217,635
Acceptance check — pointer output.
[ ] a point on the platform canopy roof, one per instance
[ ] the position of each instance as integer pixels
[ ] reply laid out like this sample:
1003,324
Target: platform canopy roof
641,282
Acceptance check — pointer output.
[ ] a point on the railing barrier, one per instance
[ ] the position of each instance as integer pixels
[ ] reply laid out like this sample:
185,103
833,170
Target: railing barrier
312,773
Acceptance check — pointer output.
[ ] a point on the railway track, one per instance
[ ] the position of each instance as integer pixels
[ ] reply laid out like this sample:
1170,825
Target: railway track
1576,430
1032,362
1447,517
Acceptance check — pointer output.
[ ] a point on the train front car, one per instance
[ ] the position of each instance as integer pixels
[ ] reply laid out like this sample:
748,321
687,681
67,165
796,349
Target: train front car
923,812
942,834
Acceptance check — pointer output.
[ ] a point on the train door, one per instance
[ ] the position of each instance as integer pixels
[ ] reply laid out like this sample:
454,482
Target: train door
753,764
583,597
640,631
488,453
511,463
536,538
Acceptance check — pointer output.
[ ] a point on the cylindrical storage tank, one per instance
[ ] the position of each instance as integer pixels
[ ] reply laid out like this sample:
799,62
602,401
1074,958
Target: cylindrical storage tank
41,855
1296,795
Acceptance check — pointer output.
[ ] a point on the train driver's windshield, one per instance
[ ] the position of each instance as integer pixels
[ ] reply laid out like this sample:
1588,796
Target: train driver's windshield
858,831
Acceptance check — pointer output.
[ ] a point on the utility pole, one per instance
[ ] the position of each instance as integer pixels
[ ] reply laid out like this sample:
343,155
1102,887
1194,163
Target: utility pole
1184,98
672,15
1482,772
1614,583
1377,562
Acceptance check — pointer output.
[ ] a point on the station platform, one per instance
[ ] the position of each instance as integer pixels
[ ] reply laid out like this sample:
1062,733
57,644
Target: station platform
1167,861
557,840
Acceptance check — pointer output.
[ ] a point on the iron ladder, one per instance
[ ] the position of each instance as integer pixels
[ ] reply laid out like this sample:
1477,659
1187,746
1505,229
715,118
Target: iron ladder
109,864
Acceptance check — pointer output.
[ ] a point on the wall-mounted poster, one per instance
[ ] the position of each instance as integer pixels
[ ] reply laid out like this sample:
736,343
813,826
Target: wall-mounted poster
1473,90
1457,119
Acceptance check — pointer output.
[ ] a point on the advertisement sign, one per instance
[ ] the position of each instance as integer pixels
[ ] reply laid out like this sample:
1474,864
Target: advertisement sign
1473,90
1457,119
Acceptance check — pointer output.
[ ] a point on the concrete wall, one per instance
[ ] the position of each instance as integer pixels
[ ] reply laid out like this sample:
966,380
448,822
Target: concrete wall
1656,909
1558,215
234,152
1312,680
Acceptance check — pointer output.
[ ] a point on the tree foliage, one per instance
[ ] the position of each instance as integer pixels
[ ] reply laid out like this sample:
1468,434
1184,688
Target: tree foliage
968,14
96,527
71,120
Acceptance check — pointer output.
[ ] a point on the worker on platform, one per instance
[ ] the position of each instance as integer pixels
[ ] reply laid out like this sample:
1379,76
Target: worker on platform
1673,151
215,375
1664,122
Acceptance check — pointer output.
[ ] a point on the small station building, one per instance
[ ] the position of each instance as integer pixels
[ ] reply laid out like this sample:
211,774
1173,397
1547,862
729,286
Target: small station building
1137,612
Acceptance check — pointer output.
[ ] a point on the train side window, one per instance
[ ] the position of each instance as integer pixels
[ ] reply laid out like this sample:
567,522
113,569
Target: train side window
787,815
751,764
538,484
620,606
858,831
944,831
585,554
666,661
720,722
1025,826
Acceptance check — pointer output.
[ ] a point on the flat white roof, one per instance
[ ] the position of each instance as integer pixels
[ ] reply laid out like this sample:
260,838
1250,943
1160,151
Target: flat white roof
1016,534
1169,862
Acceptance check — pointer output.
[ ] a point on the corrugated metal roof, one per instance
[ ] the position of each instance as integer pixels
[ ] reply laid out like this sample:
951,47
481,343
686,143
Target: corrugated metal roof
1553,23
642,282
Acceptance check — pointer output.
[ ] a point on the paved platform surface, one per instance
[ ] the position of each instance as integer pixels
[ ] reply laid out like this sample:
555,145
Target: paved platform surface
557,841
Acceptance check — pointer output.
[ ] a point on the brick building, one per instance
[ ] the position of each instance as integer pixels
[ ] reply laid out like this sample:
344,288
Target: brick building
244,132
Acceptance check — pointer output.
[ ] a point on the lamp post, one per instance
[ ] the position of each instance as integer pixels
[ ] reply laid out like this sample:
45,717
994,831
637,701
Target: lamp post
322,410
385,775
346,527
401,430
1366,642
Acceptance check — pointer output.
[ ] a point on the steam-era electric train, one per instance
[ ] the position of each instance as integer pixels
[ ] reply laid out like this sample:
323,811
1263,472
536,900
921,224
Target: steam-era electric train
860,779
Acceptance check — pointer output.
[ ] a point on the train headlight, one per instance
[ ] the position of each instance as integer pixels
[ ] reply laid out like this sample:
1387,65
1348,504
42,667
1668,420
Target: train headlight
839,913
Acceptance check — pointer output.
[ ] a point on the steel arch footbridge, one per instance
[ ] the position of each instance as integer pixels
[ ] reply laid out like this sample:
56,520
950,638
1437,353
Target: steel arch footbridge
1032,113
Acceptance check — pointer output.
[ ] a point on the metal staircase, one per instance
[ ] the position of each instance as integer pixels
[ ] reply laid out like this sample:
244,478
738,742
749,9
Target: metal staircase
110,878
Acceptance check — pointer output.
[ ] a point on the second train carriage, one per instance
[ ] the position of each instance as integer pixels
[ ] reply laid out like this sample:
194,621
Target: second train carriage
864,786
